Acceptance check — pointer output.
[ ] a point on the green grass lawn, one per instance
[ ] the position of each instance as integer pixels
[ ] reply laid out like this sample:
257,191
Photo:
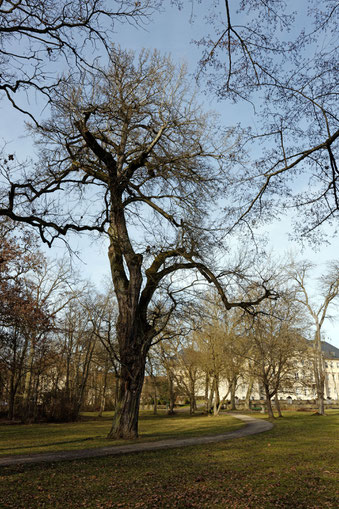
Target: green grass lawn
295,465
92,431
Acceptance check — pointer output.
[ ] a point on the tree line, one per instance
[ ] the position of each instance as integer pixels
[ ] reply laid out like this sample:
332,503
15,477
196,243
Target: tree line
59,351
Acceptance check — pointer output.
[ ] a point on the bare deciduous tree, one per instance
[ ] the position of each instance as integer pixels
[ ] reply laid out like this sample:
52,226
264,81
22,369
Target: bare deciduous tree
130,155
276,346
280,58
39,39
329,285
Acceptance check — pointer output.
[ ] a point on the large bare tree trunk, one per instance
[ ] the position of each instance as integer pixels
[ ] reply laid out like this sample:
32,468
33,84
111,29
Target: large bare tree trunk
125,420
132,326
133,349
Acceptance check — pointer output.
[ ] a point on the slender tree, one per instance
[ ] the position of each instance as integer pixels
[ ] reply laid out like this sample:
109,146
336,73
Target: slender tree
329,285
276,347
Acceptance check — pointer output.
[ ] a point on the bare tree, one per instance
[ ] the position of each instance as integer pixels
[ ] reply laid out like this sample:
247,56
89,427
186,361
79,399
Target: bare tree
53,287
188,372
275,346
212,338
329,290
19,311
131,151
281,59
39,40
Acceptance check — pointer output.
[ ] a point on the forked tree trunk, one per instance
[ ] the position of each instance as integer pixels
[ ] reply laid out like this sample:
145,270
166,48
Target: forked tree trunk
221,403
269,403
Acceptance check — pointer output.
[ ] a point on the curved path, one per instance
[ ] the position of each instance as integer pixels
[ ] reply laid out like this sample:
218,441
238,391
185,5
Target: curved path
252,427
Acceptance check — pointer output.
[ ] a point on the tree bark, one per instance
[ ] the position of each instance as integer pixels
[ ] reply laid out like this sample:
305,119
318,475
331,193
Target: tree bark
233,390
207,382
269,403
171,392
216,400
210,397
125,420
277,404
133,331
248,394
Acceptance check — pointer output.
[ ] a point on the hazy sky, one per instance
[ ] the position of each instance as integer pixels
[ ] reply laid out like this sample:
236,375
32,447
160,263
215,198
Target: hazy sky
171,32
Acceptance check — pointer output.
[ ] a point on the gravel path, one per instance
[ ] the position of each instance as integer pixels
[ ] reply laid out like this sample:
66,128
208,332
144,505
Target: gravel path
252,427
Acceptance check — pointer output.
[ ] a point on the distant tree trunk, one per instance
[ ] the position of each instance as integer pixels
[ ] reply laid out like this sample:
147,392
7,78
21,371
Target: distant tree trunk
103,393
16,373
319,372
233,387
248,394
11,401
35,397
277,404
192,398
116,389
171,393
193,403
268,402
27,396
79,397
155,400
215,407
211,396
207,382
216,389
216,400
221,402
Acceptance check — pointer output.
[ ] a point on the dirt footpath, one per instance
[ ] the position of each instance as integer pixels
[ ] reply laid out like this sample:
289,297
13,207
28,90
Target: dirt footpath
252,427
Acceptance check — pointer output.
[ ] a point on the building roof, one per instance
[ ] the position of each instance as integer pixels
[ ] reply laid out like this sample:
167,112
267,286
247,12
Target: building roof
329,351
